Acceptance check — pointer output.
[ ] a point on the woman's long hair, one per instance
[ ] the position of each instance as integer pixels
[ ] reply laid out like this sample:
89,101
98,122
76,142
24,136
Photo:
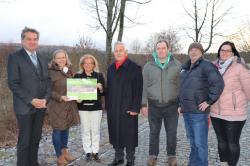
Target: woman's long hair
231,44
68,63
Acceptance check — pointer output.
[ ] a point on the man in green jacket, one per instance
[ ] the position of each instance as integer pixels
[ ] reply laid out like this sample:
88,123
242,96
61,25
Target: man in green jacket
159,102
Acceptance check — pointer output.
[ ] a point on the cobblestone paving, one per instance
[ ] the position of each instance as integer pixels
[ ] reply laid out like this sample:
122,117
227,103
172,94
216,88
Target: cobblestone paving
48,158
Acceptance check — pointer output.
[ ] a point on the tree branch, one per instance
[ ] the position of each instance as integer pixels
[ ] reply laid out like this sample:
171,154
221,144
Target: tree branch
98,16
141,3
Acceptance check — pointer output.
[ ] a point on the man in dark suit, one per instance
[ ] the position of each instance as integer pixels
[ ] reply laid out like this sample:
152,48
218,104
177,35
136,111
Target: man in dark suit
123,102
30,84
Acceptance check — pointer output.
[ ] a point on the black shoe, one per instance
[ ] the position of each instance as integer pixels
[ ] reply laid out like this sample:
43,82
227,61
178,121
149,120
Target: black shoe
130,163
96,157
88,157
116,162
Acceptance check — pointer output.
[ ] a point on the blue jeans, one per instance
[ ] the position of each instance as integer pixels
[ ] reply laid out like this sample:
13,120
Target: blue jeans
197,132
60,140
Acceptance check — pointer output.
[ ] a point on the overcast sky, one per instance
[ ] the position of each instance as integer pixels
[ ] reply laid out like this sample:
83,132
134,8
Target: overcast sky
61,22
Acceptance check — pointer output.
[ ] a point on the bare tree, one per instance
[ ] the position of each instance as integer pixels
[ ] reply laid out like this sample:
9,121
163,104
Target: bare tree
206,16
123,16
136,47
170,35
85,42
242,38
110,14
121,21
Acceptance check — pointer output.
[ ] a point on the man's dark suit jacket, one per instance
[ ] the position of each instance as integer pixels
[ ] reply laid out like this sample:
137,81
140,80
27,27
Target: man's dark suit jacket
26,82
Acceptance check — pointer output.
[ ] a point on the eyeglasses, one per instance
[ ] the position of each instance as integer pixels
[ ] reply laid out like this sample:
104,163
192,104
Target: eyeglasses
225,51
88,63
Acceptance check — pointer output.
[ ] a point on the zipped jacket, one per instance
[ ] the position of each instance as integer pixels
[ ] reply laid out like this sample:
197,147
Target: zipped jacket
199,83
161,86
233,102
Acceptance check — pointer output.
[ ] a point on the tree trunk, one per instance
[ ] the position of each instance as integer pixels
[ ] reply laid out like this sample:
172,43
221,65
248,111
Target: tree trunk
121,25
196,22
109,33
109,50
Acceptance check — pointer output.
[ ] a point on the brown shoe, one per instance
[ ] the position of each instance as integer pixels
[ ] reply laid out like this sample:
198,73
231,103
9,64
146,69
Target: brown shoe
67,155
152,160
96,157
172,161
61,161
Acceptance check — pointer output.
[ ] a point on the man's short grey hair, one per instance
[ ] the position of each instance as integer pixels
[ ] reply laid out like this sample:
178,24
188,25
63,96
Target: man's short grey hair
27,29
119,43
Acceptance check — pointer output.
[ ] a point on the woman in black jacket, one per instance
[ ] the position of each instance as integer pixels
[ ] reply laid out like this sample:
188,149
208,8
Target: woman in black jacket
90,111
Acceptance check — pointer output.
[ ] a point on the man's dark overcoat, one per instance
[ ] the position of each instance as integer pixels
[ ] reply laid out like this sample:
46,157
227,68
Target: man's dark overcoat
124,93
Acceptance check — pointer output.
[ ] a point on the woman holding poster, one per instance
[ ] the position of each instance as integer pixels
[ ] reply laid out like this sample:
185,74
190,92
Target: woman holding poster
62,111
90,111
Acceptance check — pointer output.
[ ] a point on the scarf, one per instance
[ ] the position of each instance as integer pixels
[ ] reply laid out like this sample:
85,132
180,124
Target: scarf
223,65
118,64
158,62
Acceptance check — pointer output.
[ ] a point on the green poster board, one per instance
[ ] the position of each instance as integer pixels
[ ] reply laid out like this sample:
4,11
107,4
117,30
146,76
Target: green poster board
82,89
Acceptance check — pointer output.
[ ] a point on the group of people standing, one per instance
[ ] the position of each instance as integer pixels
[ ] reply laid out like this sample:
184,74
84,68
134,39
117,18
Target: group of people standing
162,91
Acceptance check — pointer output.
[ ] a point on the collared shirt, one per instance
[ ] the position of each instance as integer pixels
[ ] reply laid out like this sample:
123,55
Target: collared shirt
118,64
33,57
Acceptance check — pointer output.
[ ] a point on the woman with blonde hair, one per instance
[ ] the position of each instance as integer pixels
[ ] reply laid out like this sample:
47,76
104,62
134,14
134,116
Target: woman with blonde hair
62,111
90,111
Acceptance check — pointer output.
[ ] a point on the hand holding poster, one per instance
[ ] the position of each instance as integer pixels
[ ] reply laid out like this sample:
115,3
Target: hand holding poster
82,89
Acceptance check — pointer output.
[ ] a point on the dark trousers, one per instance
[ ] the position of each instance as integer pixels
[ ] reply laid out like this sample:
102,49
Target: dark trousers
30,131
60,140
228,136
130,153
169,116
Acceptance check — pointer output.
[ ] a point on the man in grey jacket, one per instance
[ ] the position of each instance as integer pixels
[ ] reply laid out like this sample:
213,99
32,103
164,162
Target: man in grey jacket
159,102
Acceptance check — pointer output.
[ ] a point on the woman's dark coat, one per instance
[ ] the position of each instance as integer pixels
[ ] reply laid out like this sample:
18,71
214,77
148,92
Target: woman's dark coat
97,104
